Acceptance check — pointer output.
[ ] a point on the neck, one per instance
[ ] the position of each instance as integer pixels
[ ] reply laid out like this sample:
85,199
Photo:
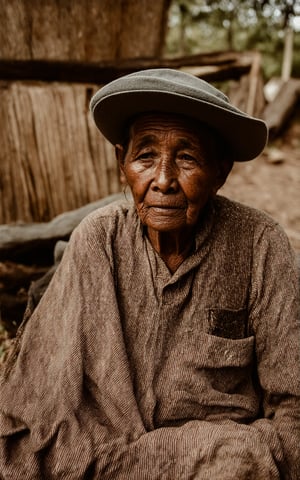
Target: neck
172,247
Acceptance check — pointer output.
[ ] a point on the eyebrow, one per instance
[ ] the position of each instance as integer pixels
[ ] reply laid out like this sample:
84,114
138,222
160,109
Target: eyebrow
181,143
186,143
145,141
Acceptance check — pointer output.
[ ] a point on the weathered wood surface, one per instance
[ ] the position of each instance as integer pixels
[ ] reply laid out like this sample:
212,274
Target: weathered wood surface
278,112
244,71
28,254
255,99
15,281
52,157
240,93
224,71
211,66
82,30
17,241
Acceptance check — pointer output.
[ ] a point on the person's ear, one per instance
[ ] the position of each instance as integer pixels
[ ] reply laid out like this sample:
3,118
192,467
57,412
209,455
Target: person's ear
120,156
223,170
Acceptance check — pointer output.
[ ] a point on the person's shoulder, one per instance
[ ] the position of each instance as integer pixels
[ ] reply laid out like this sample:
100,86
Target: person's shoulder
234,211
113,210
240,222
108,219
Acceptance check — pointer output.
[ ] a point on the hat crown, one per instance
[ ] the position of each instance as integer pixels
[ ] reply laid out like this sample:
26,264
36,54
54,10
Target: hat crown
162,79
177,77
176,92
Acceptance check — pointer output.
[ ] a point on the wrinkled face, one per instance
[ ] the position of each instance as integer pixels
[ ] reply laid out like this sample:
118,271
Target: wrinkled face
171,168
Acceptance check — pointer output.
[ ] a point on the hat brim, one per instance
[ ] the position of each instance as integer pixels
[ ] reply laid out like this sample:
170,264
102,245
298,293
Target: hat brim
246,136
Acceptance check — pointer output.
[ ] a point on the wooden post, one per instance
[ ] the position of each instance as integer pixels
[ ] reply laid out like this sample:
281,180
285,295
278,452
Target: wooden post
253,84
287,54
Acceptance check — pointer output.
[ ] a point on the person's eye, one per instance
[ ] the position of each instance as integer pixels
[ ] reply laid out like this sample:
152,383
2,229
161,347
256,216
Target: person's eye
187,159
187,156
145,156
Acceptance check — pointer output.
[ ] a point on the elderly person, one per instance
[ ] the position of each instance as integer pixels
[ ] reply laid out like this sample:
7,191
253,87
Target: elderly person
166,345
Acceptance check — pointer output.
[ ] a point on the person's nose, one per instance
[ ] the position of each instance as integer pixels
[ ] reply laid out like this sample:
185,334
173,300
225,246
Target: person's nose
165,179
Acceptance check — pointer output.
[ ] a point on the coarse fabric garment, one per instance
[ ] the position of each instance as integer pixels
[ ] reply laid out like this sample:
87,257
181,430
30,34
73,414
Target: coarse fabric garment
126,371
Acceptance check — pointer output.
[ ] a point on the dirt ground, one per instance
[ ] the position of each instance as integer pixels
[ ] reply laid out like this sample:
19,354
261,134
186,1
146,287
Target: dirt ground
272,182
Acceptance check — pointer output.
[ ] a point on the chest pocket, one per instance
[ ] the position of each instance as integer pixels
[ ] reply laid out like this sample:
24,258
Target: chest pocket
227,351
231,324
226,343
208,372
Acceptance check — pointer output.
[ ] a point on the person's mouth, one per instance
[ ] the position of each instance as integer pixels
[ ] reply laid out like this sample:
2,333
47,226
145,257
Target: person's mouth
166,208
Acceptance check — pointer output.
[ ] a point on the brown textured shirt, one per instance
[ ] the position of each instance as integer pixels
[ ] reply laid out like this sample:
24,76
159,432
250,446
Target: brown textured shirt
126,371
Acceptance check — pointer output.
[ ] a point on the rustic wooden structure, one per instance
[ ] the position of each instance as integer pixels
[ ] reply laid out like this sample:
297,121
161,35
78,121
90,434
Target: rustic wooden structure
81,30
53,159
33,243
278,112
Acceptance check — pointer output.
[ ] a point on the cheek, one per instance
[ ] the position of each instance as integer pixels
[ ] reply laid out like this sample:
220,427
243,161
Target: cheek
137,183
197,193
198,187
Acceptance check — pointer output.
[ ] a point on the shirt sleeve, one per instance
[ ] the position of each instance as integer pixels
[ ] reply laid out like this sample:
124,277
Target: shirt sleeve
274,319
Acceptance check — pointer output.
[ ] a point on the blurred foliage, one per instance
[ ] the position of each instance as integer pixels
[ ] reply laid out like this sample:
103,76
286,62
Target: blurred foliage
200,26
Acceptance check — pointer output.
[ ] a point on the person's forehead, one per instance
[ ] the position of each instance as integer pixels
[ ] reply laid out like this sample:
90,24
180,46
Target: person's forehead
161,122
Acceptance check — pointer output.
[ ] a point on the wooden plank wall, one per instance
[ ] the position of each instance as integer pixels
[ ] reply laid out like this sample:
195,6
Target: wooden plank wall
82,30
52,157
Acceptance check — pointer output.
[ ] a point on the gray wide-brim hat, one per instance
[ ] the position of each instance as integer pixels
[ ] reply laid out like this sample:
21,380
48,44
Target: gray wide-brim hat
172,91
